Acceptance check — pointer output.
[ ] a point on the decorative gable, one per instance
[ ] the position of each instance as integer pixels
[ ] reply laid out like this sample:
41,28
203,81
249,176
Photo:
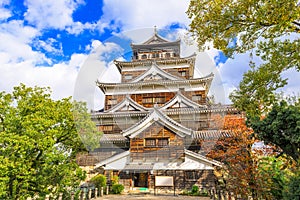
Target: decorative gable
155,39
157,116
127,105
180,101
155,73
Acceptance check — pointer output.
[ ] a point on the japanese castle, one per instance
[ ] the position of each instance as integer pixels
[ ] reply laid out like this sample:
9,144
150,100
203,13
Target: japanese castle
158,120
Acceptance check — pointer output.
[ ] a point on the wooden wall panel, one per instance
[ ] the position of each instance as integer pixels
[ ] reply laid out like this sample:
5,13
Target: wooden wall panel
174,149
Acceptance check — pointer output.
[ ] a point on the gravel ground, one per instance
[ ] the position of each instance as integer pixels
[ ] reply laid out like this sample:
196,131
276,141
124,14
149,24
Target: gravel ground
150,197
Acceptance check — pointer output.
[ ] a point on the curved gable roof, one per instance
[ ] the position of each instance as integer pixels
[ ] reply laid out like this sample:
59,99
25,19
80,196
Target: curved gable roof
153,73
202,158
157,116
155,39
127,105
180,101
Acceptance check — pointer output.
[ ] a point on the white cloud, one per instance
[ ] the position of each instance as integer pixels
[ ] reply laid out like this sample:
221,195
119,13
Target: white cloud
292,88
96,66
51,14
49,45
133,14
19,63
4,12
15,39
60,77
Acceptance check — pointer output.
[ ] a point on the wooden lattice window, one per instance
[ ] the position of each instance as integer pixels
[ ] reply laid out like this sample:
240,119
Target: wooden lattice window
112,101
149,142
197,97
163,142
156,142
128,76
190,175
108,128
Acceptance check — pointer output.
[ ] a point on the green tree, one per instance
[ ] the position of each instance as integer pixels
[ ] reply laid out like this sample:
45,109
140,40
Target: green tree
99,181
260,26
273,174
281,127
293,189
39,140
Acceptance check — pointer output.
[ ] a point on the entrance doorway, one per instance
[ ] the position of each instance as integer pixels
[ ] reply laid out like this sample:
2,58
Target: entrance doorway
140,179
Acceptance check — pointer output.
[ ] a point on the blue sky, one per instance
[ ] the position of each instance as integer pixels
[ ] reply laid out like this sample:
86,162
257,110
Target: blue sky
46,42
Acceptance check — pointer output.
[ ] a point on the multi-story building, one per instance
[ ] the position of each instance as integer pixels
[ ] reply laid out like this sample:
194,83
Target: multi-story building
156,121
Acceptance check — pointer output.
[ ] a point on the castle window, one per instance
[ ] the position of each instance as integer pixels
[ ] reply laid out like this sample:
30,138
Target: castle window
149,142
156,142
163,142
197,97
159,100
144,56
112,101
147,100
191,175
128,76
107,128
168,55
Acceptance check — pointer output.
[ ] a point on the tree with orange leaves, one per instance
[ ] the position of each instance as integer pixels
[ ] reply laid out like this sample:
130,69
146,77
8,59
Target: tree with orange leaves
239,174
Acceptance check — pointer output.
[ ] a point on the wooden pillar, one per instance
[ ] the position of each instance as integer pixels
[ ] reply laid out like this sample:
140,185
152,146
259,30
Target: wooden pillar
72,195
226,195
232,196
107,190
89,194
213,193
60,196
84,195
222,195
149,180
96,192
101,191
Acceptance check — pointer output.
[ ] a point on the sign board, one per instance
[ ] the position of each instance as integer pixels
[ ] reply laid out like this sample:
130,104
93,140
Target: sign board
164,181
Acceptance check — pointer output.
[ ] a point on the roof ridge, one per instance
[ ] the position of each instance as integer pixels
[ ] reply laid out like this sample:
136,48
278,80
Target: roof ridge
210,160
130,101
156,115
184,98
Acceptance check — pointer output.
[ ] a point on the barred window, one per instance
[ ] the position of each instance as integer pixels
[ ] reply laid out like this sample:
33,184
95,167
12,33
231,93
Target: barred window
150,142
107,128
190,175
128,76
154,142
112,101
197,97
162,142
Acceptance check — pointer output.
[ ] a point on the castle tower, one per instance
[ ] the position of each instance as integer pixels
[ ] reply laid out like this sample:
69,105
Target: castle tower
156,119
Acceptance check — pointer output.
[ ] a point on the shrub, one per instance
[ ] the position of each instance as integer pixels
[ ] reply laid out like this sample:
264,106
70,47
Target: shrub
195,192
117,188
204,193
195,189
115,180
99,181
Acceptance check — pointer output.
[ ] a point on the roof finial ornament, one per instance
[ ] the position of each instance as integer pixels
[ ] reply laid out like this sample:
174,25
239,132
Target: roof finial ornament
155,30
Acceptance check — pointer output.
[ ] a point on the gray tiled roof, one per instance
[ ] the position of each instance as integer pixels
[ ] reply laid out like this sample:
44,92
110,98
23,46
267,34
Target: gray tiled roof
109,138
138,166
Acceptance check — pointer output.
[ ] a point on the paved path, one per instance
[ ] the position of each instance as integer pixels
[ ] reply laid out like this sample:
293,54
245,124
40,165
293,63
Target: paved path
150,197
